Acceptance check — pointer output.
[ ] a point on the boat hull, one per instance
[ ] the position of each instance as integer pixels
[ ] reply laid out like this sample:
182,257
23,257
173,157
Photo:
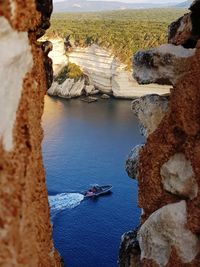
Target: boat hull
103,190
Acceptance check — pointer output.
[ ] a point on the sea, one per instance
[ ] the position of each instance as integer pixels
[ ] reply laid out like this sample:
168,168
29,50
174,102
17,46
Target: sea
86,144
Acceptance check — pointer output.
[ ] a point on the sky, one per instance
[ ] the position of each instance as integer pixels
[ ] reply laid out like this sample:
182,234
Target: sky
138,1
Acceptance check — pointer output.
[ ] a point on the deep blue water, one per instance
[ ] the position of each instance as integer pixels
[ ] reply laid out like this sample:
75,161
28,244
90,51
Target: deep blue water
86,144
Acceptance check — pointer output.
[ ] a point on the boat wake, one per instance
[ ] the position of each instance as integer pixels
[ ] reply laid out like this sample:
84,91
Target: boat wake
64,201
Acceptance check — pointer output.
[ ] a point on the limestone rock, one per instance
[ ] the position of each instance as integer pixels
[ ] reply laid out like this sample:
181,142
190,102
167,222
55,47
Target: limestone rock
25,229
132,163
178,177
105,96
48,63
150,111
58,55
180,32
163,65
91,90
89,99
68,89
165,228
185,31
169,235
15,55
129,251
108,75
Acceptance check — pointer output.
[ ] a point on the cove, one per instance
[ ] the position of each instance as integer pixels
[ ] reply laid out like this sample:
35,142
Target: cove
87,144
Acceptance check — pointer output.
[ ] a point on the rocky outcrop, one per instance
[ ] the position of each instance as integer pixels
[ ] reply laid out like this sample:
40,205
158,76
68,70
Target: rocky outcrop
163,65
72,88
164,229
91,90
169,165
58,55
68,89
25,230
132,163
129,249
108,75
150,111
178,177
185,31
104,71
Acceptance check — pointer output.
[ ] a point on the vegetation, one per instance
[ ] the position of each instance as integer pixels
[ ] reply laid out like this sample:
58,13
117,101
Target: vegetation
124,32
70,71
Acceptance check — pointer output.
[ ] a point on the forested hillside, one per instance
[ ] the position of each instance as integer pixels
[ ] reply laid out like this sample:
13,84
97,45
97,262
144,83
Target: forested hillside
124,32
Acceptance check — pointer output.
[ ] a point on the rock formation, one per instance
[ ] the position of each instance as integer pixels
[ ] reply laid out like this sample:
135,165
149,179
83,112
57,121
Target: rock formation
68,89
163,65
25,230
108,75
105,73
58,55
169,162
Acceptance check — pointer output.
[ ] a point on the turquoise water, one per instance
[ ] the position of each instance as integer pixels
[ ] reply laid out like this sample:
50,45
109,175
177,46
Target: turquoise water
87,144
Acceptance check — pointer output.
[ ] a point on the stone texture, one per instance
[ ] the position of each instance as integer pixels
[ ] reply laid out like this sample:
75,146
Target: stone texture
178,177
163,65
16,61
170,220
132,163
25,229
105,96
186,30
91,90
180,32
179,131
129,250
165,229
68,89
150,111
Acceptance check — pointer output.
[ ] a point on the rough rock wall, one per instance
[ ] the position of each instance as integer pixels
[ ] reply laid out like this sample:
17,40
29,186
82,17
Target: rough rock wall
168,171
25,230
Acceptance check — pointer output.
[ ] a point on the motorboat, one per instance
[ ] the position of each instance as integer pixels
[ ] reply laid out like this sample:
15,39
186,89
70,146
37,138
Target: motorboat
97,190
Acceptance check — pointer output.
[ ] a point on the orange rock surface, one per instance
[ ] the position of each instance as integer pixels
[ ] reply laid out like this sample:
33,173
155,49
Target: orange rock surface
25,229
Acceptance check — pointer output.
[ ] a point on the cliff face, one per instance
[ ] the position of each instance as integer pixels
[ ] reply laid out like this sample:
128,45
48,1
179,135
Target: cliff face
168,170
25,230
108,75
58,55
105,73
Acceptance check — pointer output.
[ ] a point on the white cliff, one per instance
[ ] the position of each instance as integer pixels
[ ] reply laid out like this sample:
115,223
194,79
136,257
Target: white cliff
110,76
58,55
105,72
